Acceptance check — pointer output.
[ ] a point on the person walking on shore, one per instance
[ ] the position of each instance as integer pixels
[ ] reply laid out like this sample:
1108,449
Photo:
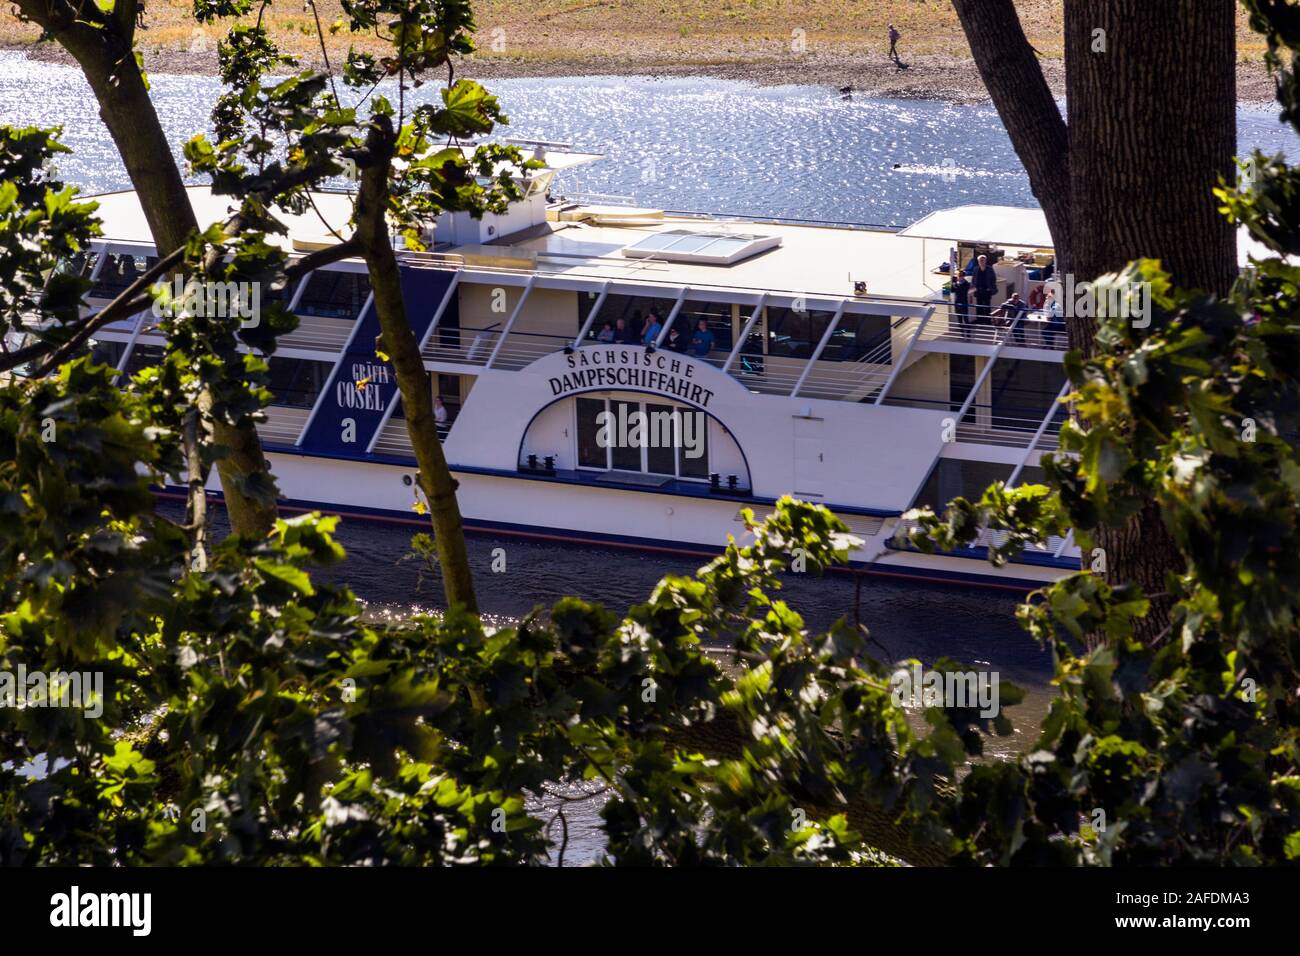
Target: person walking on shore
894,37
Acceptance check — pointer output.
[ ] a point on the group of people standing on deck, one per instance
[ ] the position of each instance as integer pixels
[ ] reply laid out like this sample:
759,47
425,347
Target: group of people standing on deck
981,284
619,332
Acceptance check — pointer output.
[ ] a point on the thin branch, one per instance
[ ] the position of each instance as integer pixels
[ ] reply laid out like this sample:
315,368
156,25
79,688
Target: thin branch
197,507
338,103
133,298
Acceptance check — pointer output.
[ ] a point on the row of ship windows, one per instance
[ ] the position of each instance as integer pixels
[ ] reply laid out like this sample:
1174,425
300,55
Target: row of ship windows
328,293
781,332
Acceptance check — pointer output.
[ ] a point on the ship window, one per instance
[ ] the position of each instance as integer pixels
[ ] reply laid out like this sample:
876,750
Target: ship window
297,382
666,444
857,337
119,272
717,314
78,264
107,353
1023,391
335,295
142,357
708,248
956,478
795,334
634,310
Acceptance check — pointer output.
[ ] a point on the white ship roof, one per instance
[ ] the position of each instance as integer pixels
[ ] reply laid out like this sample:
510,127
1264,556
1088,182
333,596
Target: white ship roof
1013,226
124,221
990,225
810,260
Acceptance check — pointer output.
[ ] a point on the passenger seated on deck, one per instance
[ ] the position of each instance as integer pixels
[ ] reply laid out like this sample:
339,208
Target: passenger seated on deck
702,340
676,342
622,335
439,411
1013,311
606,333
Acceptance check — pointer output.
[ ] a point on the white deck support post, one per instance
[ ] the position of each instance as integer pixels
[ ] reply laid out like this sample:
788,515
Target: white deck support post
591,316
292,301
1065,544
424,339
98,267
744,333
130,344
510,322
672,315
902,359
984,373
1038,435
821,347
343,353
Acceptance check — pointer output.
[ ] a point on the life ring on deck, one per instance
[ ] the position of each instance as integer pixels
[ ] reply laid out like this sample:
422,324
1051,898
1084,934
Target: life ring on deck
1037,297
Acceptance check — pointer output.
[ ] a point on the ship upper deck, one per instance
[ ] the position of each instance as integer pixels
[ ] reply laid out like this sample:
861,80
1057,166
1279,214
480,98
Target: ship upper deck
810,260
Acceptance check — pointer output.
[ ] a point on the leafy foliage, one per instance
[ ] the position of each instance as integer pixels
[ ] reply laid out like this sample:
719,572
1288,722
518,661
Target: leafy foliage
252,715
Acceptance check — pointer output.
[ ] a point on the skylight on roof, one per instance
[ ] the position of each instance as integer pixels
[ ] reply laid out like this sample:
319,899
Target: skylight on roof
706,248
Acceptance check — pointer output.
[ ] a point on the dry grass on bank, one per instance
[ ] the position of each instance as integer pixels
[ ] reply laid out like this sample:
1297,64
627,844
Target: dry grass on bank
818,41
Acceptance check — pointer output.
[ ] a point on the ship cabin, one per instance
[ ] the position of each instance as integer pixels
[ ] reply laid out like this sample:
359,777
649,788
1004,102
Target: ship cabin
533,322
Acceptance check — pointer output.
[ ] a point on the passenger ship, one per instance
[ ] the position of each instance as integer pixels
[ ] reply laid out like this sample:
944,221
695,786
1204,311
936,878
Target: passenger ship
834,370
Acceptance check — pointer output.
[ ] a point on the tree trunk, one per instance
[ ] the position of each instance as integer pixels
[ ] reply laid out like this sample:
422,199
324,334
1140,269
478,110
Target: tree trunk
107,60
1151,99
1153,125
404,352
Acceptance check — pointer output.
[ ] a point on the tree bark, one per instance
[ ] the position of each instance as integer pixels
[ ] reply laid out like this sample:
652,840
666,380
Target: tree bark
403,351
1151,102
107,60
1153,126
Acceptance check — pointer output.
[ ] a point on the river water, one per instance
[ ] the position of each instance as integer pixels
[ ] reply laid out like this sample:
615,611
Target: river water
719,146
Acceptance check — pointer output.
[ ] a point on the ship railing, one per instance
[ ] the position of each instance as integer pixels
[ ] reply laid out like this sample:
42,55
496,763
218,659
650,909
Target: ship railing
1055,545
597,199
851,380
1004,426
1035,331
523,348
431,260
463,345
318,333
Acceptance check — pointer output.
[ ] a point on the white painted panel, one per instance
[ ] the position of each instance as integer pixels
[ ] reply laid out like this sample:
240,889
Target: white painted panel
809,458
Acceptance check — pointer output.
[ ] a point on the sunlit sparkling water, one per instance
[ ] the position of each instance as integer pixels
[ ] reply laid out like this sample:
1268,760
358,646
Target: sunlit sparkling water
692,144
718,146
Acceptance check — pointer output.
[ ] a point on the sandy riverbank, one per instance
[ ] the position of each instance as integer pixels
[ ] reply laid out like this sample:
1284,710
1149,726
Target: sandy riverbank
836,43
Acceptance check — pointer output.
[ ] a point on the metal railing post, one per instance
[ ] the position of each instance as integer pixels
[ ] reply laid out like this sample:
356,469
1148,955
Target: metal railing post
812,359
744,333
902,359
519,307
